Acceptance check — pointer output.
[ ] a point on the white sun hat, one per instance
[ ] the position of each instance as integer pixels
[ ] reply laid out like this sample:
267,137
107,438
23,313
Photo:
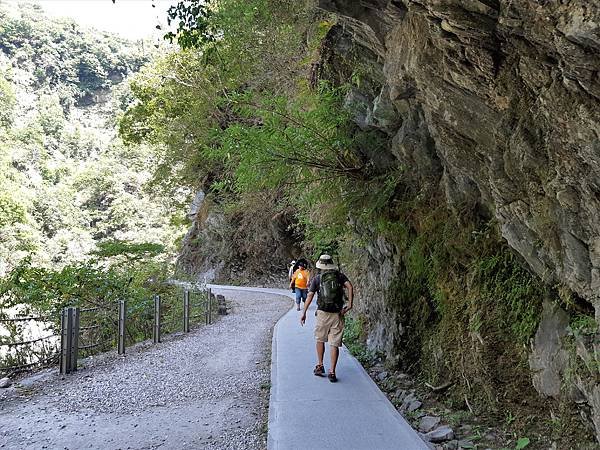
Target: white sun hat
325,262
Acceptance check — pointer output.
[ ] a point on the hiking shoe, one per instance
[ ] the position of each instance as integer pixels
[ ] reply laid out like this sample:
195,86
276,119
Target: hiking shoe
332,377
319,370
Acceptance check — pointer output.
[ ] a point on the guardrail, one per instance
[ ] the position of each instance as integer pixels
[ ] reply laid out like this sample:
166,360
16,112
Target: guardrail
41,350
89,331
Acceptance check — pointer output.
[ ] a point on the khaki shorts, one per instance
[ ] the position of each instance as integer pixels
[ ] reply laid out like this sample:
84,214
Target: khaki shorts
329,328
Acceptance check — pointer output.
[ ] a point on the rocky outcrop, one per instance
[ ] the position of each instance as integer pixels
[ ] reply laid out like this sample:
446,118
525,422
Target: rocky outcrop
548,360
495,105
250,245
499,102
205,240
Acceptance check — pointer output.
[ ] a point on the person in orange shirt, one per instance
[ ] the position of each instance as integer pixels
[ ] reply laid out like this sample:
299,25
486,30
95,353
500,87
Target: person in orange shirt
300,280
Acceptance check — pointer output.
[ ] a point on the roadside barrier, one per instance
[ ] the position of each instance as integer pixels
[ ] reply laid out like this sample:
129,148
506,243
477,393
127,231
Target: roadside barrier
89,331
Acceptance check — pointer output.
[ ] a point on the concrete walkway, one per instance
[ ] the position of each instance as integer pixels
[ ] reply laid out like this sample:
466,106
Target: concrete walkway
308,412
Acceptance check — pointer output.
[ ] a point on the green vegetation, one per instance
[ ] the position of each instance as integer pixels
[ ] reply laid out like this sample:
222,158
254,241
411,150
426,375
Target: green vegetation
60,56
40,292
79,223
522,443
353,334
583,325
237,113
68,182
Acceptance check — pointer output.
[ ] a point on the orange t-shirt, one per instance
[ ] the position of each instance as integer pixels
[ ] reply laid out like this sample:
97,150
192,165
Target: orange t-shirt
301,277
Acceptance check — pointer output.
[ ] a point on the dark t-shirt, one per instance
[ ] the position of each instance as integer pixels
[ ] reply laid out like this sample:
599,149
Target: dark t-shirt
315,283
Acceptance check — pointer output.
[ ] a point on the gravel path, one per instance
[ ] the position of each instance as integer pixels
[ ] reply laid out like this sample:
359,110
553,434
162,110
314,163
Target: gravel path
208,389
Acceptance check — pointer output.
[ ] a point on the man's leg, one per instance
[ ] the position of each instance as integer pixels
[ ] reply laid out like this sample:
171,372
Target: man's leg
320,352
335,352
335,342
298,297
319,370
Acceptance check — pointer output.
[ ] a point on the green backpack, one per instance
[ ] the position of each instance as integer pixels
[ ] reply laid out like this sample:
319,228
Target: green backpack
331,292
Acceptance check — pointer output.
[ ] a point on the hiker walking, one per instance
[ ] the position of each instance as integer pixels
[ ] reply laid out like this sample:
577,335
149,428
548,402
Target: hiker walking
299,281
329,285
291,269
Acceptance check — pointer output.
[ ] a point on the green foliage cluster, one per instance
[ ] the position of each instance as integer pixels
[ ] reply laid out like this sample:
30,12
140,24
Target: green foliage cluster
68,183
194,24
41,290
186,100
353,340
96,288
131,251
505,286
583,325
236,112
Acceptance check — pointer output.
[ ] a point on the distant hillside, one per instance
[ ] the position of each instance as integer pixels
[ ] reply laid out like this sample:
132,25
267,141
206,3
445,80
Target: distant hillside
61,56
67,181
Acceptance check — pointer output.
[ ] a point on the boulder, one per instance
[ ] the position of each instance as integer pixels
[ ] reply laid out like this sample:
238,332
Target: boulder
466,444
428,423
440,434
413,406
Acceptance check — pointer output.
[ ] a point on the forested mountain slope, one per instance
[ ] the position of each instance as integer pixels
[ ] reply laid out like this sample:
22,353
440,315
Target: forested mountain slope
67,181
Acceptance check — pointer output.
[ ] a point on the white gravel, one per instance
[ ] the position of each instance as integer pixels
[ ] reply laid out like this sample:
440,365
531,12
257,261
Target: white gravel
208,389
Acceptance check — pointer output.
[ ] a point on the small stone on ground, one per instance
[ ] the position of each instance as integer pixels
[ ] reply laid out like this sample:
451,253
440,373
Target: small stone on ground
440,434
428,423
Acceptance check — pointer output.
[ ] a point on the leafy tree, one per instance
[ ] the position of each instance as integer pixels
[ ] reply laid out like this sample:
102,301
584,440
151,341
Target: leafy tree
194,23
233,109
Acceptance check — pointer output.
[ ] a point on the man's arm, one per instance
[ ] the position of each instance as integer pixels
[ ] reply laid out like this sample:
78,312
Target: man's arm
350,290
309,299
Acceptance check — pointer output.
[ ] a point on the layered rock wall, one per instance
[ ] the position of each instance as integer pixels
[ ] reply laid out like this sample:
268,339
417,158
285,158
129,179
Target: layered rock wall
506,94
495,105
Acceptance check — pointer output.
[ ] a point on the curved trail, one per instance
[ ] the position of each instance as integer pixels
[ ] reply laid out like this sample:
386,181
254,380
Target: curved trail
206,390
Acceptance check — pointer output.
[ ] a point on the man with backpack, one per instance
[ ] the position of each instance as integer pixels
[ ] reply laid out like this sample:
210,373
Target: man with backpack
329,285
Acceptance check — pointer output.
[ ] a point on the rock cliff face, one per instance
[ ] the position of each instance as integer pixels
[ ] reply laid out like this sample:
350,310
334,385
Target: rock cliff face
239,246
498,102
496,105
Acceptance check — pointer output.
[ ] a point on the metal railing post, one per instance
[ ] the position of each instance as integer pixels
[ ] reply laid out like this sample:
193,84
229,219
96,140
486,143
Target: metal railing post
122,309
207,292
69,340
66,325
186,311
156,334
74,339
210,296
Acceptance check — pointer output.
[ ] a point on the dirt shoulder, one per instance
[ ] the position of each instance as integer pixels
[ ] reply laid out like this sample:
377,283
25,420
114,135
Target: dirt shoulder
208,389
